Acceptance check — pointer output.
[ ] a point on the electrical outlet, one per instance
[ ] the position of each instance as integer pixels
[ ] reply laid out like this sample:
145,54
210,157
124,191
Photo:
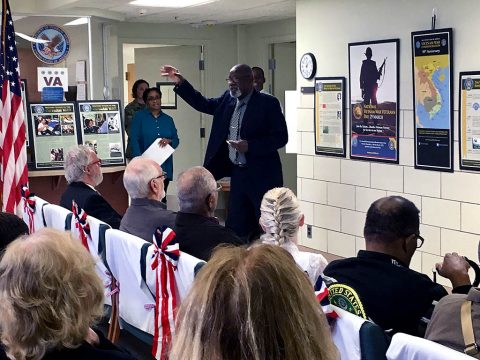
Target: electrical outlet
309,231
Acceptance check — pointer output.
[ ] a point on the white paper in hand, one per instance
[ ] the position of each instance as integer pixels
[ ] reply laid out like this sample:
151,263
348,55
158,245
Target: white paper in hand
157,153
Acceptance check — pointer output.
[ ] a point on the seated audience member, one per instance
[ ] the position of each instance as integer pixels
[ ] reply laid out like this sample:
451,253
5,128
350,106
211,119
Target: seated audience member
83,173
197,229
445,326
378,283
280,219
11,227
143,179
50,296
251,304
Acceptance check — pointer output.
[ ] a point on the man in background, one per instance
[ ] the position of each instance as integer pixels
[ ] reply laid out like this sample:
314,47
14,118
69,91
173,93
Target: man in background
143,180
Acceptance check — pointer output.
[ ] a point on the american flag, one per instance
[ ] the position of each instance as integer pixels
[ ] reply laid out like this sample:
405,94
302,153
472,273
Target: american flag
13,155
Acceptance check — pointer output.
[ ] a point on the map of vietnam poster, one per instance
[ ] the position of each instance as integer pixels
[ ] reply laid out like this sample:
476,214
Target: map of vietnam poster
433,99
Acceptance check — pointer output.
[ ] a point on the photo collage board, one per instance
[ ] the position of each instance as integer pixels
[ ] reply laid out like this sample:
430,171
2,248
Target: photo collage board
55,128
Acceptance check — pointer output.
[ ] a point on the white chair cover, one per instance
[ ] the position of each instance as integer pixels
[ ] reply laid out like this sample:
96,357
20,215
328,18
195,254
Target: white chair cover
38,215
123,258
55,216
346,334
408,347
97,227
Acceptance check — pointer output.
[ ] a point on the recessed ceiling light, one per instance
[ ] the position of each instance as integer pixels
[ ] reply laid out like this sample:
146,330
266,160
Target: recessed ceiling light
170,3
79,21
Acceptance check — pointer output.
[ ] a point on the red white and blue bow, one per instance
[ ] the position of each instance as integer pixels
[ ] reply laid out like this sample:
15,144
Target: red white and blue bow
29,207
81,223
322,297
165,259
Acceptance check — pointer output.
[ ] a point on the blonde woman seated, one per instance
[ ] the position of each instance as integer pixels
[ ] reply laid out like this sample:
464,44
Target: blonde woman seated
50,296
250,304
280,219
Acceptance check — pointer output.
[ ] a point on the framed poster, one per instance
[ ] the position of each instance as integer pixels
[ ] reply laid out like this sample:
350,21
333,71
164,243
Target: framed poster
374,104
101,128
23,89
469,120
432,70
330,116
54,132
169,97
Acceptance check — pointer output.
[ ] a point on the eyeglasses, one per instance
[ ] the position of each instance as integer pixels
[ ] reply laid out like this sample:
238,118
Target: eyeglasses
420,241
99,162
219,187
162,176
154,98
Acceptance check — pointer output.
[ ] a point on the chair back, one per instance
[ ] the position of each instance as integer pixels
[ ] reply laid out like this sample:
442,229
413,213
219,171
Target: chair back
38,215
408,347
57,217
357,338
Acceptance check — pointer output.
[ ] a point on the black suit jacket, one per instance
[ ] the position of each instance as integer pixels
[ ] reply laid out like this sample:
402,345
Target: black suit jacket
198,235
263,126
90,201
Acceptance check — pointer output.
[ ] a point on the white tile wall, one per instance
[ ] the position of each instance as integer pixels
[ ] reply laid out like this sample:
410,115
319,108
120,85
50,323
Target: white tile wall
459,242
341,244
355,172
308,143
305,166
360,243
318,240
364,197
461,186
431,234
307,101
408,124
416,262
407,154
341,195
442,213
305,120
307,209
387,177
314,191
327,168
327,217
422,182
428,264
470,218
352,222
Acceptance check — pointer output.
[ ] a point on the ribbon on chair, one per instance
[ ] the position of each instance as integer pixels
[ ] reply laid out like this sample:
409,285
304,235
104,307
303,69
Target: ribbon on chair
81,223
322,297
165,261
29,207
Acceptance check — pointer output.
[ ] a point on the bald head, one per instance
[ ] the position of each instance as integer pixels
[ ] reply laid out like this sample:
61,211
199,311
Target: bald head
194,186
138,177
240,81
390,218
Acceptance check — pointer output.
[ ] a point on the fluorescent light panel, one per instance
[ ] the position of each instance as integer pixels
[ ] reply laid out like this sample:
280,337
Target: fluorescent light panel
79,21
169,3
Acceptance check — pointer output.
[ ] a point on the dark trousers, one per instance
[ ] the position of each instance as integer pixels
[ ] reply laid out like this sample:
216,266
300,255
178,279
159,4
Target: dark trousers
244,205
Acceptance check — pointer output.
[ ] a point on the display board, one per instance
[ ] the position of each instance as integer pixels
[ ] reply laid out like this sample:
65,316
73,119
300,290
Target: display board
330,116
432,71
101,128
374,104
54,132
469,120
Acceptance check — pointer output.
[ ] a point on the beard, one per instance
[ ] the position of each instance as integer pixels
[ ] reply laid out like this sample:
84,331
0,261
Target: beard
98,178
235,92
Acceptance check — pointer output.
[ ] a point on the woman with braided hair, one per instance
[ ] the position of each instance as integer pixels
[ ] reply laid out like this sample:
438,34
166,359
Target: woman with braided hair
280,219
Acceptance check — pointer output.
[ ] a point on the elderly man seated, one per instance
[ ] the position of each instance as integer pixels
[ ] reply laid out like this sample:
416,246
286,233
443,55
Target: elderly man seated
378,283
198,231
83,173
143,180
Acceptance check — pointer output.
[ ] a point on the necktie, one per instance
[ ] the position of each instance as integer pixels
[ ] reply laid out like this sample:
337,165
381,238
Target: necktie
235,131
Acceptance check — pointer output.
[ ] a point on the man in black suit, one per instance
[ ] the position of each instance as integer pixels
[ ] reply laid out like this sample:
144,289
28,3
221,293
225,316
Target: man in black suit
83,173
197,230
247,130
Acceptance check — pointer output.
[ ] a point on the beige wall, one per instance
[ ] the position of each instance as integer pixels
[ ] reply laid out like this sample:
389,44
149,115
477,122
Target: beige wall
336,193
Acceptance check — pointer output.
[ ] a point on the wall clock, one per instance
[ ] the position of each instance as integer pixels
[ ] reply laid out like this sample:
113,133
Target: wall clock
308,66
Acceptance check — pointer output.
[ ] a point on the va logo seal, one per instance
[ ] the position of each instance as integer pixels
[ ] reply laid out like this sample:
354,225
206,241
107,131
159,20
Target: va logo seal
468,83
39,109
87,107
346,298
57,47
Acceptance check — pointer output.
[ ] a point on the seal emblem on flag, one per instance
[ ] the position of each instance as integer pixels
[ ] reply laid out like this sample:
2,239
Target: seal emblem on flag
57,47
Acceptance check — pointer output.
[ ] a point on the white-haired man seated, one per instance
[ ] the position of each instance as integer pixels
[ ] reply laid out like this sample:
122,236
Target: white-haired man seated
143,180
83,173
198,230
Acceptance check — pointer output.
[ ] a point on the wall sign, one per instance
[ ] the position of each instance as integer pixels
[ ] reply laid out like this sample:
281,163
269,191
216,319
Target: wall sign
58,47
433,99
469,124
52,77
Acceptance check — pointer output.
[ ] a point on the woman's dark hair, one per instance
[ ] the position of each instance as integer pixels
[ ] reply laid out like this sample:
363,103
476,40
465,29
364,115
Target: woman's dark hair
135,86
148,91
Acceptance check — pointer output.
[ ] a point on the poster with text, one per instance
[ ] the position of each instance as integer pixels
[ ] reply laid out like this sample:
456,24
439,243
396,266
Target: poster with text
469,120
374,105
102,129
330,116
54,133
433,99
